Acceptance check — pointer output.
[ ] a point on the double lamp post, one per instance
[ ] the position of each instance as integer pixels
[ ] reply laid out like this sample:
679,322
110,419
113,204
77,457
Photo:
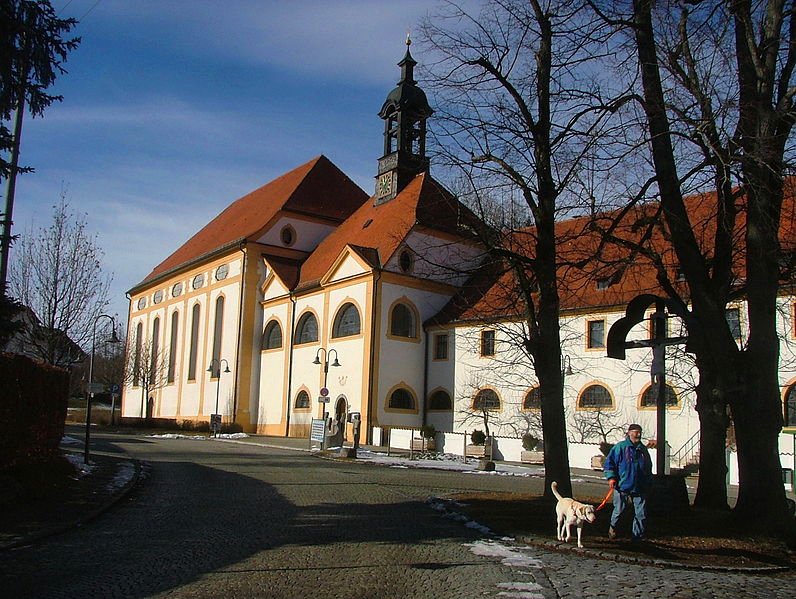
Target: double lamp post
90,388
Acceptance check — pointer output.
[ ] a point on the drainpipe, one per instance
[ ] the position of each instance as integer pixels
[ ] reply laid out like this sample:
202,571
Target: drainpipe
241,299
425,381
372,360
290,363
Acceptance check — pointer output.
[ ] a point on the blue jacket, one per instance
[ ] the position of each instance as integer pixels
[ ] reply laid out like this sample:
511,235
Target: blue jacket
631,465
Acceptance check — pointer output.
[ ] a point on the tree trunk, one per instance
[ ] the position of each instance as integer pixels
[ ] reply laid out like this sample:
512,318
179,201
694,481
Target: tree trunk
713,421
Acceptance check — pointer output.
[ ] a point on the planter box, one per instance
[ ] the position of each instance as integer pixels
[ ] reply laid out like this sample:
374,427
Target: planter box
597,462
532,457
424,444
475,451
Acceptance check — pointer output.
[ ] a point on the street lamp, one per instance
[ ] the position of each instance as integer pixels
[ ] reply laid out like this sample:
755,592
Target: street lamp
324,389
89,389
566,367
217,363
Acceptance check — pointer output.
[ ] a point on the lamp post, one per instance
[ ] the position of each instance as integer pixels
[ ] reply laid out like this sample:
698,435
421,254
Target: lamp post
324,395
89,388
566,368
215,415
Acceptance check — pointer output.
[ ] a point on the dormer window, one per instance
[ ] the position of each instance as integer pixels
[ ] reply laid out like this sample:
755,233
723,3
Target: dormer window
603,284
287,235
406,261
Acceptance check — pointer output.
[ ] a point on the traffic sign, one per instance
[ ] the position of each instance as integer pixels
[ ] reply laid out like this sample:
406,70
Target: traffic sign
323,399
324,392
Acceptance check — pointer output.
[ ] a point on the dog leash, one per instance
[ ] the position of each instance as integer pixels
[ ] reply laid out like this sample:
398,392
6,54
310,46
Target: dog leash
607,497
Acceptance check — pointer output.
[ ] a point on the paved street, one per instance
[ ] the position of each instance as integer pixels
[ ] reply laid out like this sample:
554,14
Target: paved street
218,519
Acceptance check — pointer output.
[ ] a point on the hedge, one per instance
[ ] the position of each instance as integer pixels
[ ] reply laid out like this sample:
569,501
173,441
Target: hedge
33,402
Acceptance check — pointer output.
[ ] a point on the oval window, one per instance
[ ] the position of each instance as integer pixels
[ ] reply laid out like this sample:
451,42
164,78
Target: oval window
158,297
141,303
222,272
198,281
176,291
287,235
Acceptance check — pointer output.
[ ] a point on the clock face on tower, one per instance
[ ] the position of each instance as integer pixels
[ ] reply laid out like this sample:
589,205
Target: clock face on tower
384,184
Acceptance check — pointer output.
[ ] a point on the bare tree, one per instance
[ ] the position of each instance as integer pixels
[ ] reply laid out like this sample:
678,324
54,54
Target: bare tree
715,121
146,367
519,113
57,273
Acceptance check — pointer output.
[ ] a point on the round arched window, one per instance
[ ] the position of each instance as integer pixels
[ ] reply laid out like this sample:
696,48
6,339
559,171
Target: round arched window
272,337
533,399
346,323
486,399
440,400
307,329
402,321
402,399
302,400
595,396
649,399
790,406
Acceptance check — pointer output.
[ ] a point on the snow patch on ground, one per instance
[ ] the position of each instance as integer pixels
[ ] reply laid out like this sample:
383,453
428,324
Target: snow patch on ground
200,437
507,555
82,469
124,474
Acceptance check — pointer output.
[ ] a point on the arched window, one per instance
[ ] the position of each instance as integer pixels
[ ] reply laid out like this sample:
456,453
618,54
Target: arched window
595,396
194,346
154,359
218,326
175,323
307,329
486,399
440,400
790,406
346,323
139,332
649,399
272,337
302,400
402,399
533,399
402,321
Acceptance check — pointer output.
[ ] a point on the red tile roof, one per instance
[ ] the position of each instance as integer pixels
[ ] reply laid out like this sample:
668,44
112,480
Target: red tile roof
317,188
491,293
377,231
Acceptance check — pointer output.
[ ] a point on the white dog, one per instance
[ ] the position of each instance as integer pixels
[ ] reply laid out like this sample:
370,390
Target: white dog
569,512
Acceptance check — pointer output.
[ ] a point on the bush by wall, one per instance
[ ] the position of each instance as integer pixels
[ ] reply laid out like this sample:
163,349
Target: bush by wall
33,399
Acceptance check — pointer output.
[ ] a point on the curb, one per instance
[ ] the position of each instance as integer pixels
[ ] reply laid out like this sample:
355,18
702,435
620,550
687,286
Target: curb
443,506
139,469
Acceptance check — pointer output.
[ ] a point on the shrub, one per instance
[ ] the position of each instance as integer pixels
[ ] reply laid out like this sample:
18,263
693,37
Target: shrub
605,447
427,431
232,427
529,442
478,437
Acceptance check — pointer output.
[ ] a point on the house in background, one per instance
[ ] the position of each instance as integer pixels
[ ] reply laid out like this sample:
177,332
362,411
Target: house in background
308,287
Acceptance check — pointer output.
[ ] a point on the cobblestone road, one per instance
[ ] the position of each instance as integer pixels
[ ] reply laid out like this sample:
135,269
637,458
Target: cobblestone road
227,520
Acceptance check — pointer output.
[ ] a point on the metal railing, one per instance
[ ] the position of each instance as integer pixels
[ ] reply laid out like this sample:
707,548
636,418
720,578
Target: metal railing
685,455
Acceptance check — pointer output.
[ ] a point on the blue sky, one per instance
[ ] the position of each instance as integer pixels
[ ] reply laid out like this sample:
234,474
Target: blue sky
173,109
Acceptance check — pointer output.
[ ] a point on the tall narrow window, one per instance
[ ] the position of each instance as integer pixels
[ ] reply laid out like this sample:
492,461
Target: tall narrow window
441,347
790,406
488,343
733,316
194,349
306,329
175,323
154,359
139,331
217,329
595,334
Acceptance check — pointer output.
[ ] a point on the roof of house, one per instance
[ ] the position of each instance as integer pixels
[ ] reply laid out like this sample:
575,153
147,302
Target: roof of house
317,188
491,293
377,231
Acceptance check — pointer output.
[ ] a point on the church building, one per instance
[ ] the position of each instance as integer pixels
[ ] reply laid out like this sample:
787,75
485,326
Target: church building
309,296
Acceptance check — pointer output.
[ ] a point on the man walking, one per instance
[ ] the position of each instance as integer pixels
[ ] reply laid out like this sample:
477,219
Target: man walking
628,469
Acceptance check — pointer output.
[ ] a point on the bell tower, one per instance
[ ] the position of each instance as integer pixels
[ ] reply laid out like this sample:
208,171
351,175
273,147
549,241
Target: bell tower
404,113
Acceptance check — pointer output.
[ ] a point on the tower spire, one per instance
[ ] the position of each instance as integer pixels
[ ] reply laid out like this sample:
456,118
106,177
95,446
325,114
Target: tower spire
404,113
